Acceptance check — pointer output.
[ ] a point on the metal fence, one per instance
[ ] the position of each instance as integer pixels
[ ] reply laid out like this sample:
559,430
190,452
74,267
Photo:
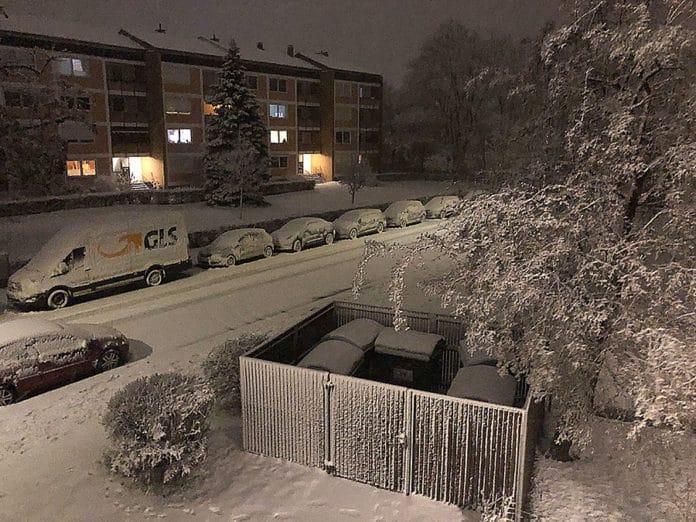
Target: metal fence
449,449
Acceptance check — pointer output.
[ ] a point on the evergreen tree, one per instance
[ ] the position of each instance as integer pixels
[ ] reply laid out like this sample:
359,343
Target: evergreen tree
236,127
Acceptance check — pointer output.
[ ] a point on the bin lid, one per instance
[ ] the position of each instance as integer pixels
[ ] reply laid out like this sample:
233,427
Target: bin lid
409,344
483,383
359,332
333,356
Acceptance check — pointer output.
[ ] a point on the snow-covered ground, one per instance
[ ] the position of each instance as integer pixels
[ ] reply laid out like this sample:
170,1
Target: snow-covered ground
52,443
22,236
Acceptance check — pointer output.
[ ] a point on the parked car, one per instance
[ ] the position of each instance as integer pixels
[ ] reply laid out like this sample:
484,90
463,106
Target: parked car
36,354
442,206
404,213
301,232
360,221
118,248
236,245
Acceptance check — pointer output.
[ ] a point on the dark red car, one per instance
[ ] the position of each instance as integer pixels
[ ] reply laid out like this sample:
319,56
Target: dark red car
36,354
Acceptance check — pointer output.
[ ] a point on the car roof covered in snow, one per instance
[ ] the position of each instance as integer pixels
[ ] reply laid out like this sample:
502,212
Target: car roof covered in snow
356,213
439,200
234,235
398,206
26,327
297,224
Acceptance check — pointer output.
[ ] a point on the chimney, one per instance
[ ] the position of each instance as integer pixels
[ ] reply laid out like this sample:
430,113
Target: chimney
259,45
215,38
160,29
291,51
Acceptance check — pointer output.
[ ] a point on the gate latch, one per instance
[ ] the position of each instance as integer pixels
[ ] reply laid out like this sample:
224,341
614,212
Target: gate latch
401,438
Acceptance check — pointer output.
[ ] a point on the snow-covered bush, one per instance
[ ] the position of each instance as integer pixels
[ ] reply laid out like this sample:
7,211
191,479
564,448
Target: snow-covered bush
221,369
157,427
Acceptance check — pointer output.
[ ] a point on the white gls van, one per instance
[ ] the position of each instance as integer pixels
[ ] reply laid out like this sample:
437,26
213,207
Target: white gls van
116,249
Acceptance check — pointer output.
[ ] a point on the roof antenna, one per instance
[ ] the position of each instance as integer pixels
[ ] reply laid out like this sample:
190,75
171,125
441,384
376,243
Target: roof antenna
160,29
3,12
215,38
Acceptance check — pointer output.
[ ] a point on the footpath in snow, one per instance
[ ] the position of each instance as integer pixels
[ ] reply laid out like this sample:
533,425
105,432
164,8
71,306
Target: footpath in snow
23,236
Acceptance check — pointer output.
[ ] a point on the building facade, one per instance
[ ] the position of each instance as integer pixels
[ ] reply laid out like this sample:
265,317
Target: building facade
145,102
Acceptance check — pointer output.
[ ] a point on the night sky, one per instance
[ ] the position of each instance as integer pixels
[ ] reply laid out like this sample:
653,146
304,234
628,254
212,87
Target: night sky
380,34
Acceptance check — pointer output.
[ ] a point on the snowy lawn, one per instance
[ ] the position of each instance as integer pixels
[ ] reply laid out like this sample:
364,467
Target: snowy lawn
22,236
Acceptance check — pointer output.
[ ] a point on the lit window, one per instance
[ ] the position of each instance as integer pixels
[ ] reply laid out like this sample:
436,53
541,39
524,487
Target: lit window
209,109
277,111
279,136
76,168
277,85
343,137
70,67
179,135
279,162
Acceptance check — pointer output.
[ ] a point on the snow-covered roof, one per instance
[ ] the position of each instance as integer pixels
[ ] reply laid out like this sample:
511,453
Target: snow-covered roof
441,201
354,214
334,62
400,206
17,329
56,28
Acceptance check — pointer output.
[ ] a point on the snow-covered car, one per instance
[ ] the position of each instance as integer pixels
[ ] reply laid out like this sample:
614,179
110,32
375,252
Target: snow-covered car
442,207
236,245
404,213
360,221
301,232
36,354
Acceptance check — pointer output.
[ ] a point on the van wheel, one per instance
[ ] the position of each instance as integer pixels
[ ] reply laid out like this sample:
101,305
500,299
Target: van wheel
380,227
268,251
353,233
58,298
297,245
154,277
7,395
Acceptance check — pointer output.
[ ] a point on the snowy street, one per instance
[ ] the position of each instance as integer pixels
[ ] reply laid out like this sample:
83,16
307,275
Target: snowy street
56,439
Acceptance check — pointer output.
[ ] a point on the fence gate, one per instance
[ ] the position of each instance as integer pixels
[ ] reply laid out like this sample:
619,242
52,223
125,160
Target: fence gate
283,411
367,441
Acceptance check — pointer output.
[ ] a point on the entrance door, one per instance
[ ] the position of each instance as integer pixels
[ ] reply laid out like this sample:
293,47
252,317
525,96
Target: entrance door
367,431
306,163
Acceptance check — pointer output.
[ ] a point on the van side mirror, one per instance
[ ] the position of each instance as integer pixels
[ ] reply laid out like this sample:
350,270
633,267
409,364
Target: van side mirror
61,269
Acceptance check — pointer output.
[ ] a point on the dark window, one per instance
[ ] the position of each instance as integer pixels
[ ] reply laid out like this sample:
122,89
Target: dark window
14,99
252,82
83,103
141,104
277,85
343,137
279,162
118,103
305,137
76,258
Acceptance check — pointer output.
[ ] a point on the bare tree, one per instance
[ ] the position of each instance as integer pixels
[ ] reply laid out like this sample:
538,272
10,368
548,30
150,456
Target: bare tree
356,179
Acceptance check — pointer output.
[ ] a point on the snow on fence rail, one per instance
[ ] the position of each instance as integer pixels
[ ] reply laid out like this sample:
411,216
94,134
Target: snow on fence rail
449,449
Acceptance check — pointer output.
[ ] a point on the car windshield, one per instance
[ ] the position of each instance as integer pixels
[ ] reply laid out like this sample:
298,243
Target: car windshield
352,214
296,225
12,331
228,238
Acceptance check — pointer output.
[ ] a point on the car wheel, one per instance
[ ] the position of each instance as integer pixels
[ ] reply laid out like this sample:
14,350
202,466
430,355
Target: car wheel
353,234
268,251
231,260
297,245
380,227
403,222
109,360
443,214
154,277
329,238
7,395
58,298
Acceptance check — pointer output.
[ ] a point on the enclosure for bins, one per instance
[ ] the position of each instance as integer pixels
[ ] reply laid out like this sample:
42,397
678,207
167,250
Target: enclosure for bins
449,449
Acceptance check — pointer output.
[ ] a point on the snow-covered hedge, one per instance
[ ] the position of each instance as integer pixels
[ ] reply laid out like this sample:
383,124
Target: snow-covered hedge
221,369
157,427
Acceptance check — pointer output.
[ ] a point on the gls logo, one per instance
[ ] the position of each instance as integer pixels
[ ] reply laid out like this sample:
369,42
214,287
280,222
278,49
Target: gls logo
156,238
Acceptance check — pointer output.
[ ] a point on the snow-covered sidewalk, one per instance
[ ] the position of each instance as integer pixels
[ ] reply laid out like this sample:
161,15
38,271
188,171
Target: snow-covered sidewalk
22,236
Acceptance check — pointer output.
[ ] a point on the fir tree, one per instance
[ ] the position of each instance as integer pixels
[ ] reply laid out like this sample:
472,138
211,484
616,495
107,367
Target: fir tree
236,131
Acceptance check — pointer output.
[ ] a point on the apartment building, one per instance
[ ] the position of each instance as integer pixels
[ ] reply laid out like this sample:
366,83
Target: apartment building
145,97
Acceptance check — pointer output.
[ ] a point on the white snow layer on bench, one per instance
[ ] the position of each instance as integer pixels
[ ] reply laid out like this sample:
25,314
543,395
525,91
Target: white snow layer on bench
409,344
483,383
333,356
359,332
